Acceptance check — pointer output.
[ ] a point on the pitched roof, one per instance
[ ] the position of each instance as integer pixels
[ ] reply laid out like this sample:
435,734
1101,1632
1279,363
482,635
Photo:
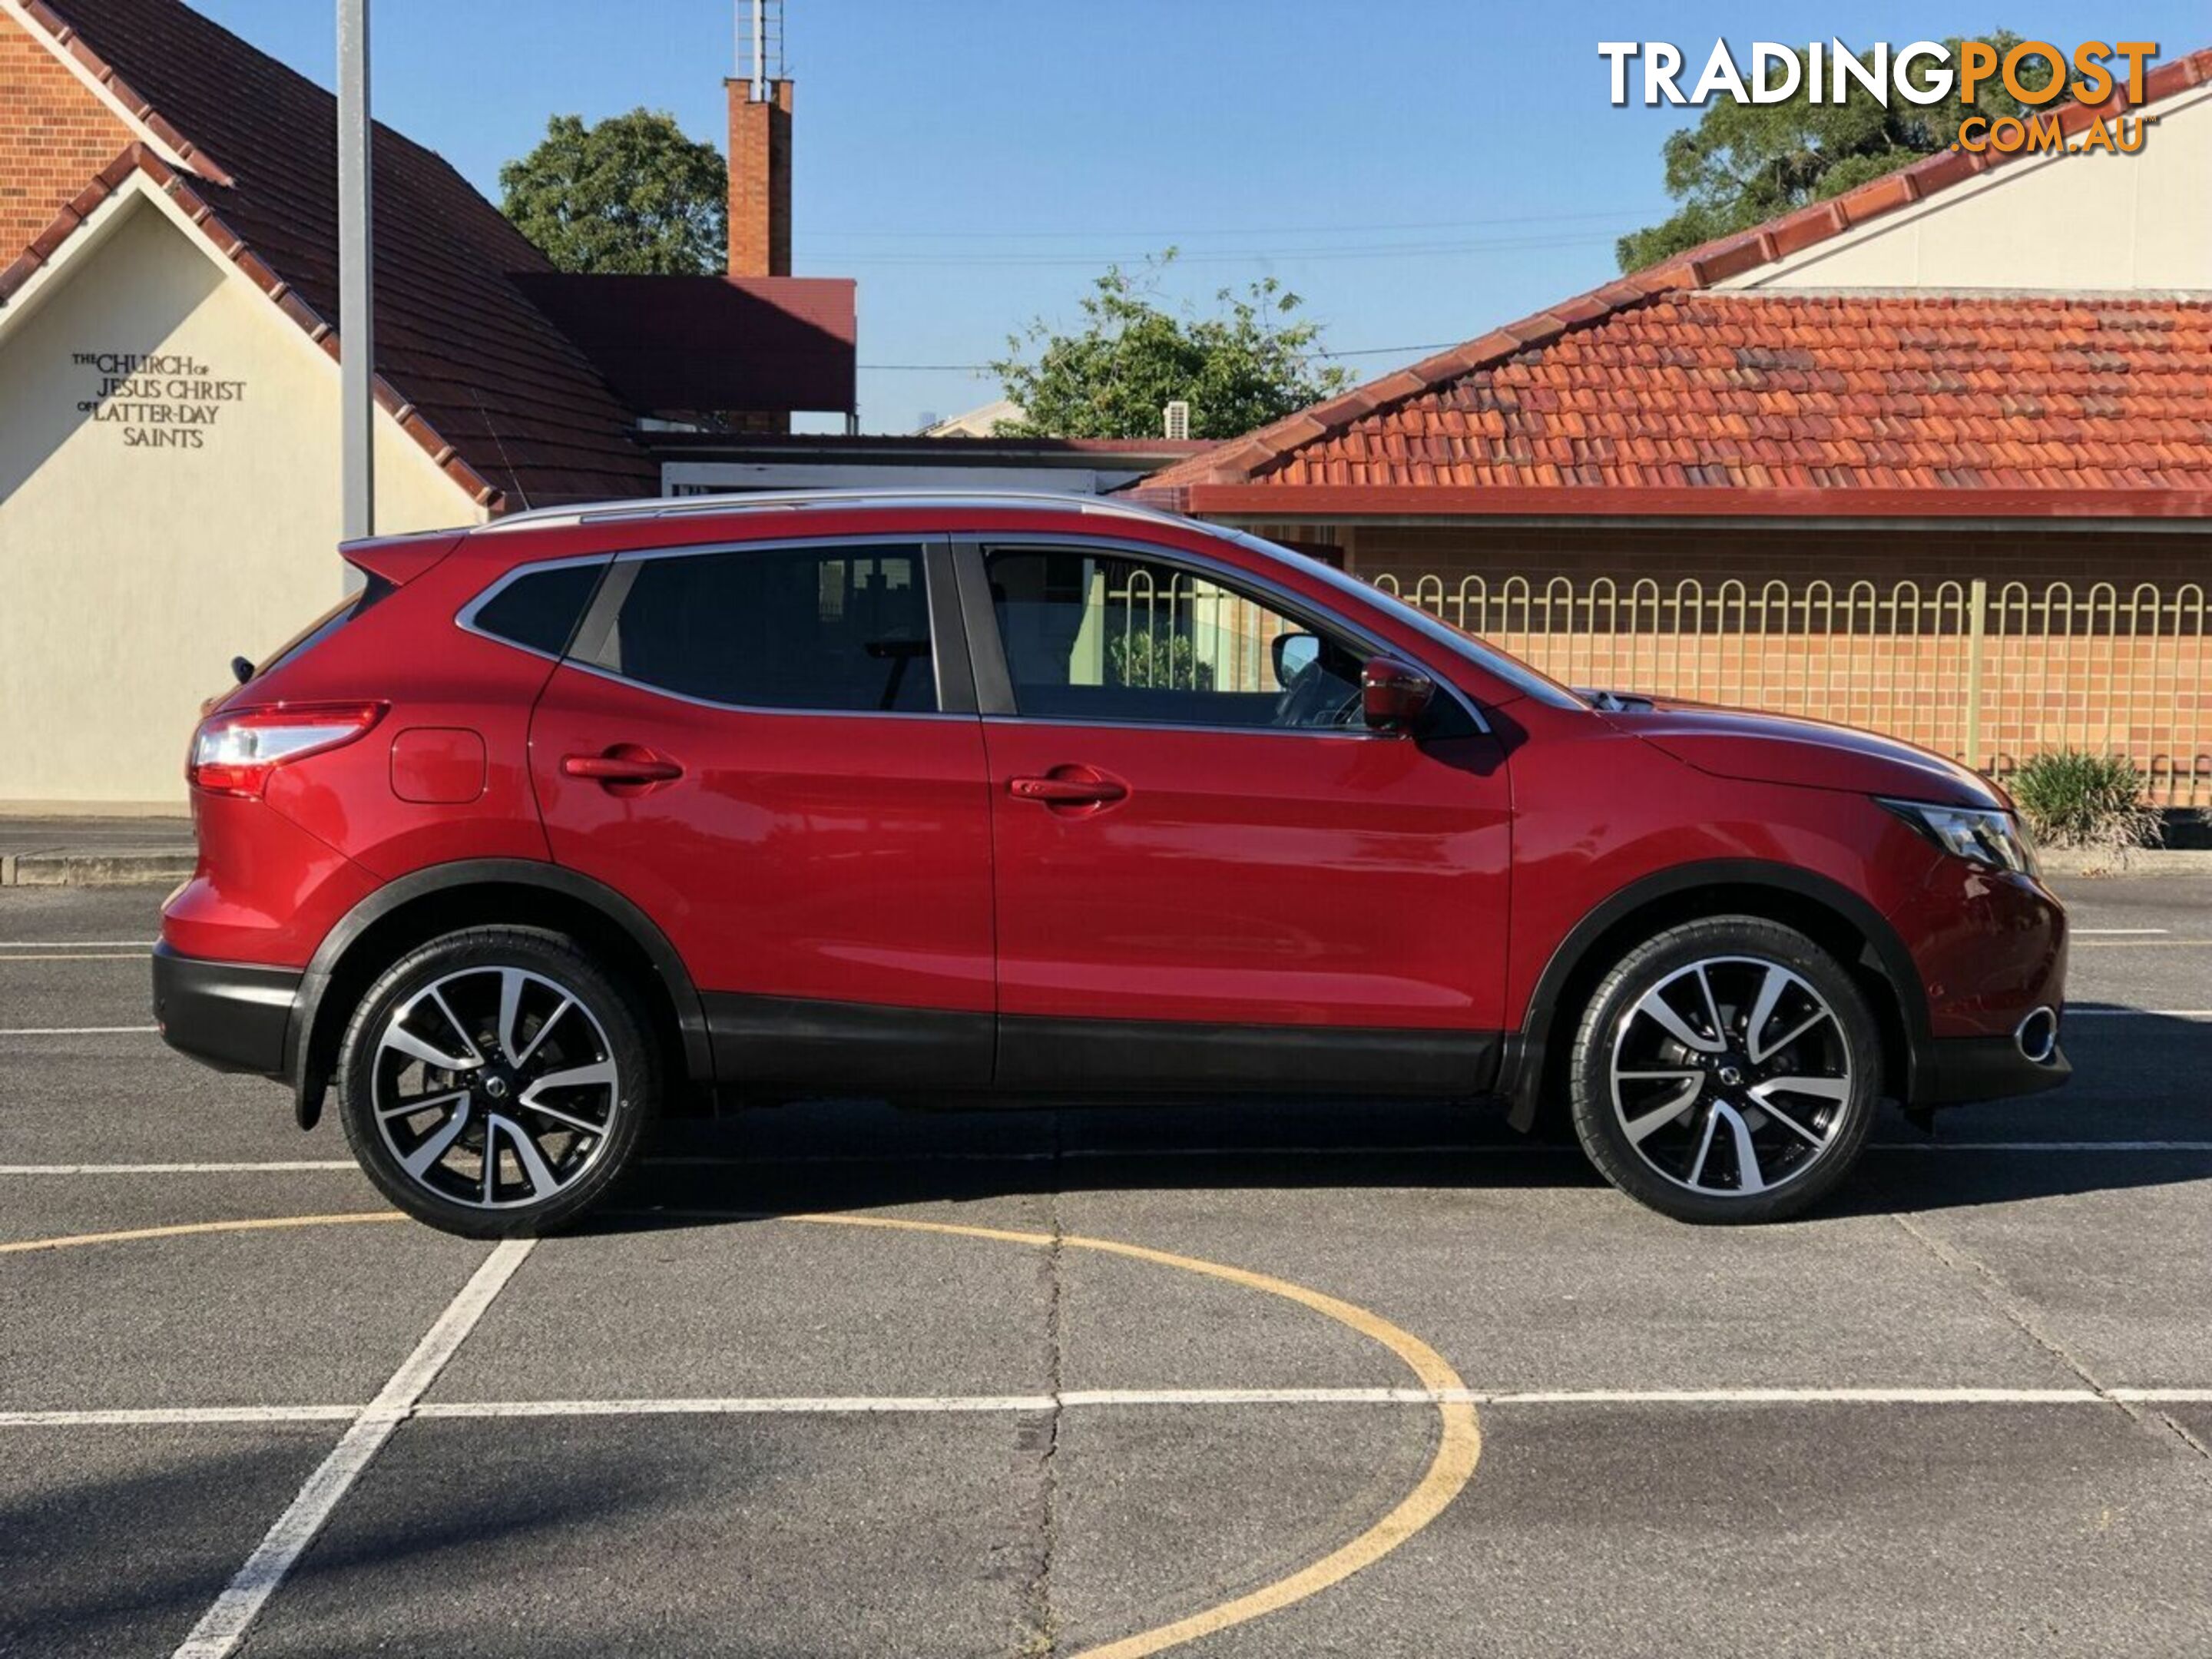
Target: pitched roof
1813,392
1650,394
483,379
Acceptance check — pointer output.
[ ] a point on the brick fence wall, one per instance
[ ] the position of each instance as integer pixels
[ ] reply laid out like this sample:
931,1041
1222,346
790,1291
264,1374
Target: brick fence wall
2088,640
54,137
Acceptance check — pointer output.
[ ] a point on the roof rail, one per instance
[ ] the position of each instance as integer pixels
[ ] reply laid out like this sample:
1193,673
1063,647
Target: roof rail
677,506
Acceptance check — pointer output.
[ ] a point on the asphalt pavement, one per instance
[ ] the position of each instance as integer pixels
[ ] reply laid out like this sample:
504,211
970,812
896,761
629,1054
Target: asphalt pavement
1341,1377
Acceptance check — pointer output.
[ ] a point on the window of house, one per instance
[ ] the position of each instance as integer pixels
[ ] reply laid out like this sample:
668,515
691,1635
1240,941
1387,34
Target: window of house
1095,635
827,628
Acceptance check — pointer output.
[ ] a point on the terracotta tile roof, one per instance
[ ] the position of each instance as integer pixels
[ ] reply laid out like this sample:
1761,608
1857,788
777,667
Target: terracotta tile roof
1651,384
1812,392
481,378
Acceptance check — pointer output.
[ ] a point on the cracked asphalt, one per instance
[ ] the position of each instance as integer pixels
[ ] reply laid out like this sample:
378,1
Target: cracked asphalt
1964,1409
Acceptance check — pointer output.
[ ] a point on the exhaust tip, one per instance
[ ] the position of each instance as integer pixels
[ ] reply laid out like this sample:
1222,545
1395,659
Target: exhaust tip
2036,1037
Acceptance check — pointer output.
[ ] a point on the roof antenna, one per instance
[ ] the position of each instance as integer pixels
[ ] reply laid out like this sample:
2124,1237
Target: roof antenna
760,43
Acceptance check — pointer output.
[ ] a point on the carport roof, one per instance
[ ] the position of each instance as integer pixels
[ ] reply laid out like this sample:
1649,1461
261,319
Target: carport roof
1655,394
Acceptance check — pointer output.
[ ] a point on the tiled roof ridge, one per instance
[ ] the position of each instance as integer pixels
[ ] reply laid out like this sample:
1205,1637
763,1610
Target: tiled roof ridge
142,158
1240,460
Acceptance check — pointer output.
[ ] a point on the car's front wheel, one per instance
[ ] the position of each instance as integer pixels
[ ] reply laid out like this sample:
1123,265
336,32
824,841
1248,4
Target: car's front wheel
494,1082
1726,1071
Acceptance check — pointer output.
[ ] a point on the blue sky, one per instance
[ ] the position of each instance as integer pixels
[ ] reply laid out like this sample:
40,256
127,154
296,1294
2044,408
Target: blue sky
1419,170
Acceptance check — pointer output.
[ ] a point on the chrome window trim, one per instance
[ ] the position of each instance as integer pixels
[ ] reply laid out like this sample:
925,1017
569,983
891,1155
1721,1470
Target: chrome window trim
1296,607
765,710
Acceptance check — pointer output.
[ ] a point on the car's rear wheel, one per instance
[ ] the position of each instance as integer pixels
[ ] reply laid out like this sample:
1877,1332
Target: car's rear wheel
1727,1070
494,1082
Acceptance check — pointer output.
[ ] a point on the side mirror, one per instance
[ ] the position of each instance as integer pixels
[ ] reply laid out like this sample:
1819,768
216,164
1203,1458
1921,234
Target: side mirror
1294,653
1393,695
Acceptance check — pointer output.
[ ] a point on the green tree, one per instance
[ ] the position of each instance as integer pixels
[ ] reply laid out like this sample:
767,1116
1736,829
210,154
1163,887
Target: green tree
631,195
1239,369
1744,163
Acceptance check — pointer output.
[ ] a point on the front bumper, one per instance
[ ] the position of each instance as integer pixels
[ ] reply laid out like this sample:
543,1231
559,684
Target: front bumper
1951,1071
230,1015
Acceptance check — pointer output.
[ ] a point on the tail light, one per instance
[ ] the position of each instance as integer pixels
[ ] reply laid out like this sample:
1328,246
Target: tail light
234,752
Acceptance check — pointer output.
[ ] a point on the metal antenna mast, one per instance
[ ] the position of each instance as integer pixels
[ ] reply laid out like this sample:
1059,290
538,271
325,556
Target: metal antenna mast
760,43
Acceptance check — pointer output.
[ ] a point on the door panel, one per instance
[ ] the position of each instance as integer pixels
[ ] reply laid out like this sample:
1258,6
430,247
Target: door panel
1192,831
808,856
1251,877
838,857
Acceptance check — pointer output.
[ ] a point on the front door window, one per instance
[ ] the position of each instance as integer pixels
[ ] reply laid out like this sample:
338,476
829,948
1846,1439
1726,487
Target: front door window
1104,637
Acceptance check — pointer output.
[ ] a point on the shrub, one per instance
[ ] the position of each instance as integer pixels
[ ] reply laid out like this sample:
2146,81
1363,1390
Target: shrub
1158,662
2093,801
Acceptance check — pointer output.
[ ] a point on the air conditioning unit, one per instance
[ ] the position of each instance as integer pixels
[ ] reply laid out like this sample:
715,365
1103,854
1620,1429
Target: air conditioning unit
1175,421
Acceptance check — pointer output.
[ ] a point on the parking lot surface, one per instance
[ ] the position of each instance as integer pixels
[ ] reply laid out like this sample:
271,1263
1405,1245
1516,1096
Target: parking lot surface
1333,1376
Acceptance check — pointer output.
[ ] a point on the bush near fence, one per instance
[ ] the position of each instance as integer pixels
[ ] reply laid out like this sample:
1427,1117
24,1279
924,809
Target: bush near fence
1991,673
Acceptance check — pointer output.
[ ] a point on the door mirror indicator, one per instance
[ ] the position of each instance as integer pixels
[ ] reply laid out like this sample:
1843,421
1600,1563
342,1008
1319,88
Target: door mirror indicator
1294,653
1393,694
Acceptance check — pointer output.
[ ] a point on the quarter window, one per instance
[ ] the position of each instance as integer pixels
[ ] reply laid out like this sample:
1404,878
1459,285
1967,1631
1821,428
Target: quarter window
1098,636
541,609
829,627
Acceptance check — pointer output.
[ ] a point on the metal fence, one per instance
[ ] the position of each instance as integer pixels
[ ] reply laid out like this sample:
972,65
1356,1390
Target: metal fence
1989,674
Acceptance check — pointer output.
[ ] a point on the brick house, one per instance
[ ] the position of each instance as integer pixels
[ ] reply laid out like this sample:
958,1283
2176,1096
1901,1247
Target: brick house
169,330
1966,407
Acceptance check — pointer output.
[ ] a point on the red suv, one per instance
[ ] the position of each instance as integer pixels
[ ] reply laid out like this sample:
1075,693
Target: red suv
562,820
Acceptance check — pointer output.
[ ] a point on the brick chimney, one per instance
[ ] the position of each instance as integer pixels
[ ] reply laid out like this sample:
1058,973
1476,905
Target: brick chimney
760,179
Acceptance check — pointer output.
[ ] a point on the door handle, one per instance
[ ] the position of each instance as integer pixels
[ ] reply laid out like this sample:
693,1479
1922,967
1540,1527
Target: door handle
1070,786
624,763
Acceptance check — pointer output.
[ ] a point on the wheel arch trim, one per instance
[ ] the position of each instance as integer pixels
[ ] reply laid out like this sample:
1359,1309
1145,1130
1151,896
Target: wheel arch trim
396,894
1522,1070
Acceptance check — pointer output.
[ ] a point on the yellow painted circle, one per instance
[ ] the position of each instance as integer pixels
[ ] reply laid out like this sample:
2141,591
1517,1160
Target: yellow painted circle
1453,1467
1458,1447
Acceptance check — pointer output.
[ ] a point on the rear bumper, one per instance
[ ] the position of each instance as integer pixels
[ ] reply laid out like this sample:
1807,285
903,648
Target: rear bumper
230,1015
1951,1071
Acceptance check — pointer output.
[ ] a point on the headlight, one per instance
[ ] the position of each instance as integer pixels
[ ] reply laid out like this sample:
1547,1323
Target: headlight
1974,834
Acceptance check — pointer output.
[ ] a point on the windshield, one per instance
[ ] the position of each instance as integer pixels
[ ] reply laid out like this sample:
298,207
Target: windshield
1511,670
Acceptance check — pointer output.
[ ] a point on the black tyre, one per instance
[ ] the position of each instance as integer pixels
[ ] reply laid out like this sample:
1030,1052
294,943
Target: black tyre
494,1082
1727,1070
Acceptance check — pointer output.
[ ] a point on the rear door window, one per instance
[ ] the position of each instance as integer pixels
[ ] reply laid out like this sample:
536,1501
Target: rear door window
839,628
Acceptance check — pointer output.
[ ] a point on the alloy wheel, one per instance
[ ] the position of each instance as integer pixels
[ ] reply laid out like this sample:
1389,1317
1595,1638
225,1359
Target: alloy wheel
1730,1077
495,1087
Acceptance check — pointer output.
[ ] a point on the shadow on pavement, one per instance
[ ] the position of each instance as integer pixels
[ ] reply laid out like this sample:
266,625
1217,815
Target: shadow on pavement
864,1155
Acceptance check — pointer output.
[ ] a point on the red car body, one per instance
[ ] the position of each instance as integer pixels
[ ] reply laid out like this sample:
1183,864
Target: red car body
967,901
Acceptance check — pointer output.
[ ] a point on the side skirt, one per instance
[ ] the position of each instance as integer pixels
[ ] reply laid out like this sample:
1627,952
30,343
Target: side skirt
793,1047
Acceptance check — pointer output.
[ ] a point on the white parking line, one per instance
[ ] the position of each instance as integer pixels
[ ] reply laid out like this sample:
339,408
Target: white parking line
1073,1399
144,1417
2139,1013
272,1167
77,944
78,955
75,1030
222,1627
